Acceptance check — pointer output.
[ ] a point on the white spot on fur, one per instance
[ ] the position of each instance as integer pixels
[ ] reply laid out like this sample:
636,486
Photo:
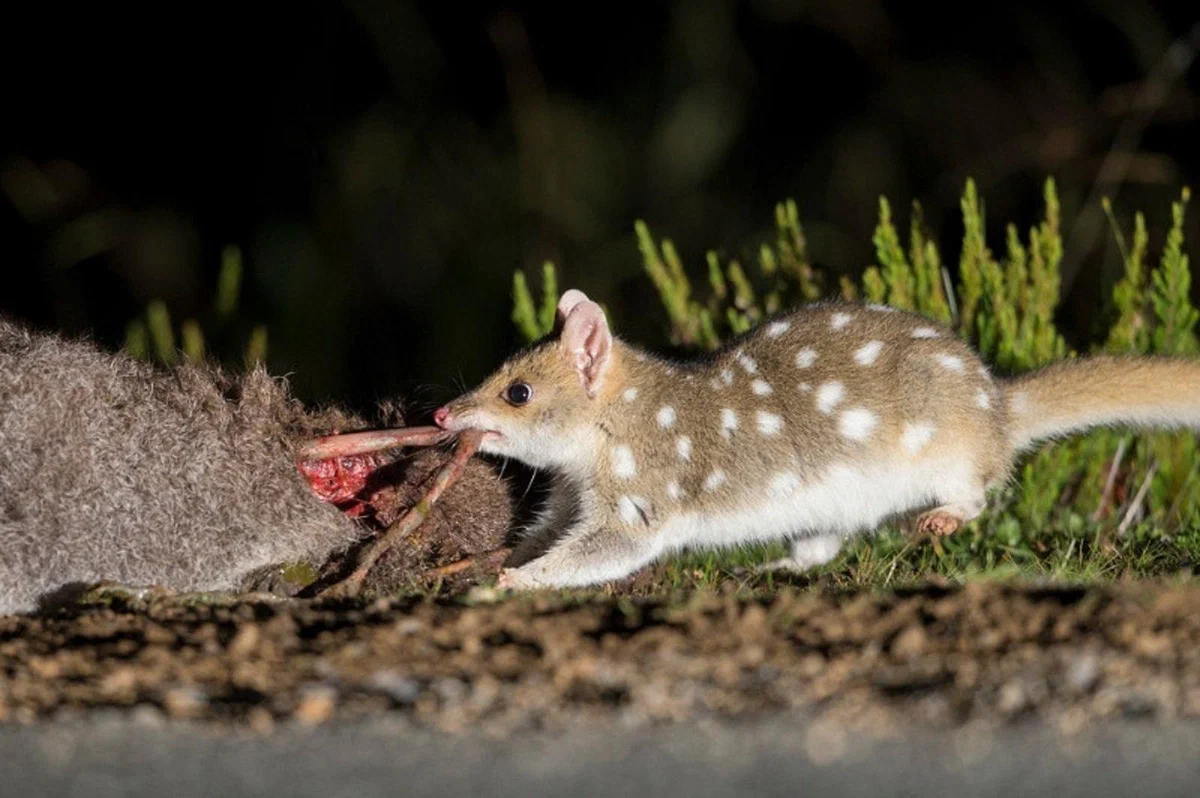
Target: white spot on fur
761,387
640,357
670,371
631,508
806,357
683,446
804,387
630,394
829,395
768,423
983,372
674,491
665,416
714,480
913,437
983,400
784,483
858,423
839,320
729,422
747,363
882,308
715,384
778,328
950,362
727,377
1019,402
926,332
622,462
867,353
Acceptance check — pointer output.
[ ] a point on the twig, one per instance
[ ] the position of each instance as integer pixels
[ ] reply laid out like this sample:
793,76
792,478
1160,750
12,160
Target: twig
1110,483
468,562
1136,504
354,443
410,522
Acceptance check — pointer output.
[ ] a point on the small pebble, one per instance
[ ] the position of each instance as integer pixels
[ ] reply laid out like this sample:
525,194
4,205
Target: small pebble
316,705
184,701
400,688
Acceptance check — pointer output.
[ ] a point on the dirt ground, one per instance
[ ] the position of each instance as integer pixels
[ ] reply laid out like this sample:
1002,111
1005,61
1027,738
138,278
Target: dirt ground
937,657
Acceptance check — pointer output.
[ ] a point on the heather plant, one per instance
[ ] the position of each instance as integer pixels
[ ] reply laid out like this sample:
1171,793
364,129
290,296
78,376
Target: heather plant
533,323
1095,506
152,336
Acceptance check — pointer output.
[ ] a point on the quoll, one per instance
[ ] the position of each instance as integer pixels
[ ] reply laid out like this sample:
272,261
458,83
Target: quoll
815,426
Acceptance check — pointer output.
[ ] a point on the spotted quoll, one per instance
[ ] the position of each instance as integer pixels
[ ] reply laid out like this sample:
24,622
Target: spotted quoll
817,425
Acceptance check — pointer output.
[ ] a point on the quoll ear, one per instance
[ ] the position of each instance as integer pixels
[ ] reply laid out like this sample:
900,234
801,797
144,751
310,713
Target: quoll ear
585,339
566,303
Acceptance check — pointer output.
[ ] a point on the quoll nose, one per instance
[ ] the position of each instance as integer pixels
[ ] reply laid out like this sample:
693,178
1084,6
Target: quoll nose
441,416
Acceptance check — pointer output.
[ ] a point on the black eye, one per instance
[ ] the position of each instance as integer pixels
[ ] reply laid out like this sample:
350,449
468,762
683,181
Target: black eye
518,393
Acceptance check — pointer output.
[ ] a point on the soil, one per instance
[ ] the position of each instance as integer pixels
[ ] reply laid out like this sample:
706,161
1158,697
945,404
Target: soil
934,657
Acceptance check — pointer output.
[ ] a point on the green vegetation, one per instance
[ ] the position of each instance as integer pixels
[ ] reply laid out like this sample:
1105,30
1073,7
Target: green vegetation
152,336
1101,506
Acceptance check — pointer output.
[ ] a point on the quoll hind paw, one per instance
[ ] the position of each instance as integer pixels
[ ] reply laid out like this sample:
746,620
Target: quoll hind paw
938,522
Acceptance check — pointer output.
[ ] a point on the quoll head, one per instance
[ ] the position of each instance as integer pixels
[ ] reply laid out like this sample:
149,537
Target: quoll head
539,406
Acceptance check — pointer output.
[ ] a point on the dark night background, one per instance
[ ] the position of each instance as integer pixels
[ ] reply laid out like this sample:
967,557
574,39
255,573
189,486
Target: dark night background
384,166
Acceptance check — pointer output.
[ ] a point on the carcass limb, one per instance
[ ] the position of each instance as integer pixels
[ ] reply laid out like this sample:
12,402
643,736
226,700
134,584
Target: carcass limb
408,525
356,443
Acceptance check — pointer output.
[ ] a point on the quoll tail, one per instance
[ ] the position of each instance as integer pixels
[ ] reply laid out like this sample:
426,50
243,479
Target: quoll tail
1074,395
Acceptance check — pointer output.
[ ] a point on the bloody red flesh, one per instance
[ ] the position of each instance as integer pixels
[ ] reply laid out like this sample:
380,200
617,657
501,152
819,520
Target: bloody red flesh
339,469
341,480
339,466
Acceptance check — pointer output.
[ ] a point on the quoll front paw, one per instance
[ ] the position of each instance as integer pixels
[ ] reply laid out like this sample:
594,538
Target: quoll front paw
505,580
515,579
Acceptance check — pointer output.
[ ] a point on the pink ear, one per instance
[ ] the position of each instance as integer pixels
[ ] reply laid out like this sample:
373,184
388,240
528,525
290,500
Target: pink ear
567,301
585,338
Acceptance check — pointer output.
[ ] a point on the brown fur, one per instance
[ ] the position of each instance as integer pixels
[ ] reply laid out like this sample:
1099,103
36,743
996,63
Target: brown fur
903,384
1101,391
472,518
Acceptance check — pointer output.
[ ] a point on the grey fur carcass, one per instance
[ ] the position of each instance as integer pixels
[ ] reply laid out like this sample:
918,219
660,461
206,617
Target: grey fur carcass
113,469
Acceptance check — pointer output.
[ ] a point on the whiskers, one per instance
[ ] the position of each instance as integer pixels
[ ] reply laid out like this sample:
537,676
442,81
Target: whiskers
428,397
533,472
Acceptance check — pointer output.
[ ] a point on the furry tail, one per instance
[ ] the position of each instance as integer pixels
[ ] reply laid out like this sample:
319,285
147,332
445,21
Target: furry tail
1102,391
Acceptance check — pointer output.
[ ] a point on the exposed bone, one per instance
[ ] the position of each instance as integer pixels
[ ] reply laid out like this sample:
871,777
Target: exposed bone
355,443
